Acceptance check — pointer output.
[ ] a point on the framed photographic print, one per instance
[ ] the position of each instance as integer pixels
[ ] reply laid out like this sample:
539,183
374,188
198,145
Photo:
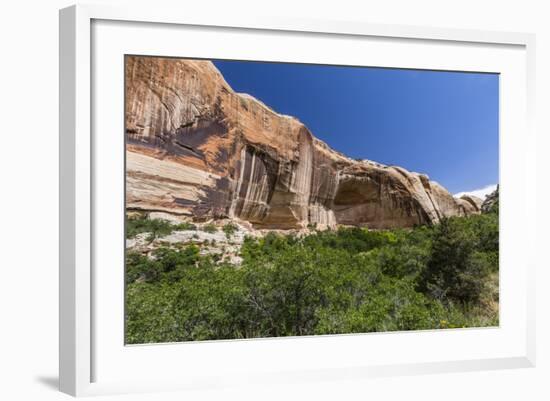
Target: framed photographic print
273,200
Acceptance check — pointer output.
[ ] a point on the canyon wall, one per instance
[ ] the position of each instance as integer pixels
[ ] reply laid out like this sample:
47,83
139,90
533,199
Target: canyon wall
196,148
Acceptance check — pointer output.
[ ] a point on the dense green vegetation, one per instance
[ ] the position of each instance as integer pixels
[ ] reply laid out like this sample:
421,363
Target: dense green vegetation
350,280
229,229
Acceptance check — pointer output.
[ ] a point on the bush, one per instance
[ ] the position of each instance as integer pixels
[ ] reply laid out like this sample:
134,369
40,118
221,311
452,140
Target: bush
456,270
185,226
150,313
350,280
209,228
156,227
140,225
140,267
391,305
229,229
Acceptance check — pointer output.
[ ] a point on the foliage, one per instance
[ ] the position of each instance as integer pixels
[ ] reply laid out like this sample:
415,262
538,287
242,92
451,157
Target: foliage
185,226
155,227
209,228
229,229
491,203
464,252
348,280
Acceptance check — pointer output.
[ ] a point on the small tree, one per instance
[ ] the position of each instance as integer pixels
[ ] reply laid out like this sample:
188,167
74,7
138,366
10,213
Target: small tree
455,270
229,229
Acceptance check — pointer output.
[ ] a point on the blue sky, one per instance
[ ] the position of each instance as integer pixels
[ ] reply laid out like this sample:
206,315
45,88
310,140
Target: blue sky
444,124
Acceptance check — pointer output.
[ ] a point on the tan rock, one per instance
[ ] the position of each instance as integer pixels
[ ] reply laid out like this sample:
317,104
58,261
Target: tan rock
472,205
197,148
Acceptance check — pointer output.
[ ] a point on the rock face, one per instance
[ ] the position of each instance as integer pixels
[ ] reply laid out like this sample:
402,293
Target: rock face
196,148
472,204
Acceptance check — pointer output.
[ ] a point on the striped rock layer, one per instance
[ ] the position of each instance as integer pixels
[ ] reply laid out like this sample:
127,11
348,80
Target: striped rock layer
196,148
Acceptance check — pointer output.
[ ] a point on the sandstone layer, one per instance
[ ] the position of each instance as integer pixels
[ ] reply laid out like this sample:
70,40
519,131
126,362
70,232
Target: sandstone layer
197,148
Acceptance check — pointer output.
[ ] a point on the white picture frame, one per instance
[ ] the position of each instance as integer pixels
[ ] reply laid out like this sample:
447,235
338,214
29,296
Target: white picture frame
82,345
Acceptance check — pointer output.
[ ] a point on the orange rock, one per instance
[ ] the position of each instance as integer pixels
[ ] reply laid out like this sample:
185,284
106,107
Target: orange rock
195,147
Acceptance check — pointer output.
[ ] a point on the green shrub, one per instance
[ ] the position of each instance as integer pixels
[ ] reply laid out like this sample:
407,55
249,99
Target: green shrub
348,280
312,226
185,226
150,313
456,271
140,225
209,228
229,229
156,227
140,267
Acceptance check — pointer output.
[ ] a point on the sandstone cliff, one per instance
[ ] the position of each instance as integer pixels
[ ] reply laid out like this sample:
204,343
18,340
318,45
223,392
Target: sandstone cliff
196,148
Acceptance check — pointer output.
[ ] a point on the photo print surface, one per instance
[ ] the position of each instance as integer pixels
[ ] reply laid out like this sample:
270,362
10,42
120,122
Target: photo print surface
276,199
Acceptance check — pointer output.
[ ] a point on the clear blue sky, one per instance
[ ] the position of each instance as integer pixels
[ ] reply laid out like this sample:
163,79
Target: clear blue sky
444,124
